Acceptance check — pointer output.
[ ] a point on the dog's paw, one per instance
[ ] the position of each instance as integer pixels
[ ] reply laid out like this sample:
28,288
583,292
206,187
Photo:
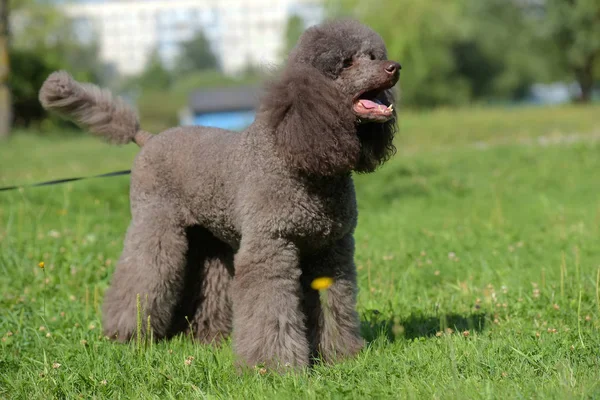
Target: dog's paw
120,334
119,326
272,366
272,357
340,348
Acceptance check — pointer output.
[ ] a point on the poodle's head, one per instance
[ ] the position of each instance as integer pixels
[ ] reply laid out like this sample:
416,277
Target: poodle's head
354,58
332,110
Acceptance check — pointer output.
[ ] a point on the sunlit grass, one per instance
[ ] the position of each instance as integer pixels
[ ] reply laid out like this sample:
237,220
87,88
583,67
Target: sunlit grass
478,268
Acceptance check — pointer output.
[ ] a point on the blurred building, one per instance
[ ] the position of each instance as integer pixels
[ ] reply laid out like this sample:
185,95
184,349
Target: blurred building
227,108
240,32
553,93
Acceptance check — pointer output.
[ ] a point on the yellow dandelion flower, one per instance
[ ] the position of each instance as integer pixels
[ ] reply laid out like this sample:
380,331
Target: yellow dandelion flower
322,283
41,264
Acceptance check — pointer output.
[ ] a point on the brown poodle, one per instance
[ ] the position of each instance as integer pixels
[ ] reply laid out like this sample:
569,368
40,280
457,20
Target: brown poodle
229,229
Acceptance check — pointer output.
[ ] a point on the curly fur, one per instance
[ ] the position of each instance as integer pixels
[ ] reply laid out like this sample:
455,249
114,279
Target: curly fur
90,107
229,229
324,47
312,122
377,140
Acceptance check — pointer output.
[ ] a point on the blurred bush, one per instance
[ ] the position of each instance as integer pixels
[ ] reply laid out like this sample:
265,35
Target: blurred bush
29,71
454,53
196,55
477,51
44,40
160,94
159,108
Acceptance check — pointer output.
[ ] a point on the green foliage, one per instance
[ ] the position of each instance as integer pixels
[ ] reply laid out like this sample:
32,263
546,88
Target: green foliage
155,75
29,73
42,29
455,52
6,109
466,51
511,55
498,239
574,26
159,108
162,93
196,55
44,40
293,30
420,35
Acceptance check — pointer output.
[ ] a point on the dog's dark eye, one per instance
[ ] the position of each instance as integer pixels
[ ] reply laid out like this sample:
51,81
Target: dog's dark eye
347,63
372,56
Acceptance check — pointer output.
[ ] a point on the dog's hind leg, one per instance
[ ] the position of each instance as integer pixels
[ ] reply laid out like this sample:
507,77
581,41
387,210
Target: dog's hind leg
212,318
152,267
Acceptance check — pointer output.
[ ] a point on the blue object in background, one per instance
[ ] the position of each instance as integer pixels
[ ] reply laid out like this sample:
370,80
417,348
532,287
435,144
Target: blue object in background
232,108
232,120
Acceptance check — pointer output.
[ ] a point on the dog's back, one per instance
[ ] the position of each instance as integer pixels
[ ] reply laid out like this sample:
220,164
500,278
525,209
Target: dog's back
196,168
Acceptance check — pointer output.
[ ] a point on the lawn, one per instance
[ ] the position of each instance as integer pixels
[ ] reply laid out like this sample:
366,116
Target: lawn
478,249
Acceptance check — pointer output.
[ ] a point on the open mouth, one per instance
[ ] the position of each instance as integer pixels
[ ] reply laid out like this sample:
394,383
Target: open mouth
370,109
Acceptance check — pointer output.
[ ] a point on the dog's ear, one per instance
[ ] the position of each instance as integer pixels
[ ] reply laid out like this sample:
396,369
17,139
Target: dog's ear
312,122
377,140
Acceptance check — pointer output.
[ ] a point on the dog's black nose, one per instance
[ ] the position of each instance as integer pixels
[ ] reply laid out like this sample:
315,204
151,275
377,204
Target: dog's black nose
392,68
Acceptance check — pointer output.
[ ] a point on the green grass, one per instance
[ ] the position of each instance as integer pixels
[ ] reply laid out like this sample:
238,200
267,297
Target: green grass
477,225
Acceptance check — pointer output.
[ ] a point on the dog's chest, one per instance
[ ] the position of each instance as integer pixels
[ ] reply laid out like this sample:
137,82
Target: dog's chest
315,216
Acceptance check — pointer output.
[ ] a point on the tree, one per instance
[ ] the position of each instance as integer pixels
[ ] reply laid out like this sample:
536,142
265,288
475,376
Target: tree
196,55
41,27
5,98
155,75
43,40
420,35
502,54
457,52
574,26
293,31
30,73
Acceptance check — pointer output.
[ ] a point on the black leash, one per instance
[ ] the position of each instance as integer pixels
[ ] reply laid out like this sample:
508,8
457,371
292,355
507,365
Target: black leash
58,181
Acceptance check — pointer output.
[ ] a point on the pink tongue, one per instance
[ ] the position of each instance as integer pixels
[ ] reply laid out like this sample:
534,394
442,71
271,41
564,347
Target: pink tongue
369,104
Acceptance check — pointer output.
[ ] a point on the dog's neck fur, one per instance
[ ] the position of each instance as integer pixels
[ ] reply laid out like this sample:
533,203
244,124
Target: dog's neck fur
314,129
260,137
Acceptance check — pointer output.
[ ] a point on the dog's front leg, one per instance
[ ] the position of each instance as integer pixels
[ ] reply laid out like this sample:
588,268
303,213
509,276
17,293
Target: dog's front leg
333,327
268,323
